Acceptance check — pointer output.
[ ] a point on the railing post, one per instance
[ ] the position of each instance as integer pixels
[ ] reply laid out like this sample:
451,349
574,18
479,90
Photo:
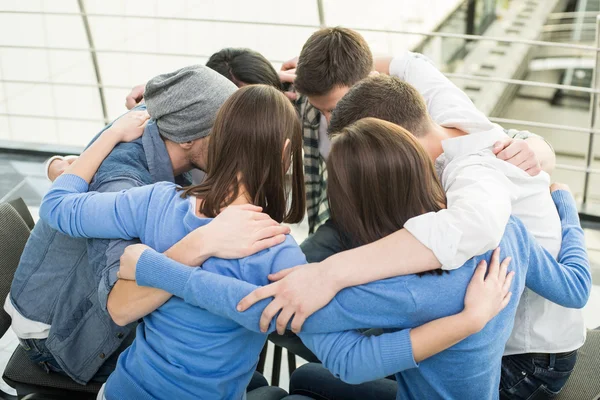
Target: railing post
593,110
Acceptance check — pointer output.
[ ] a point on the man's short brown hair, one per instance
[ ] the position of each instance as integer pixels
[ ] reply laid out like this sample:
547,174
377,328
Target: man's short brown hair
332,57
384,97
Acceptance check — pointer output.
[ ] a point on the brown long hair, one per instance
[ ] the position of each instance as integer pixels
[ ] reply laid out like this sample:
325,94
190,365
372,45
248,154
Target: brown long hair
246,148
379,178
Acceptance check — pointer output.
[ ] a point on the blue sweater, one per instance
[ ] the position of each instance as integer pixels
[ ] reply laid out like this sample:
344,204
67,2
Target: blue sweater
469,370
182,351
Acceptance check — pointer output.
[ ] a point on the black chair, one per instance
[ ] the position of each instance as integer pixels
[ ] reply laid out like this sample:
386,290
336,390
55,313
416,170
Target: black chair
28,379
584,382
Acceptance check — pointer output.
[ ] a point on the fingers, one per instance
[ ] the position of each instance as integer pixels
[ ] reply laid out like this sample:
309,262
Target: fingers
291,95
283,320
502,275
509,152
272,231
508,282
287,76
268,314
479,274
494,264
290,64
506,300
256,296
267,243
501,145
281,274
250,207
297,322
258,216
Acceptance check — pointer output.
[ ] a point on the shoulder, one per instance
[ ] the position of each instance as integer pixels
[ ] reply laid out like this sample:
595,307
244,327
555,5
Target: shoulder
283,256
128,161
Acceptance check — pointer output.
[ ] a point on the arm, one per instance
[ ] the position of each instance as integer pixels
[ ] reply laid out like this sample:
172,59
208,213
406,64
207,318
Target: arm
128,302
566,282
355,358
445,101
236,232
386,304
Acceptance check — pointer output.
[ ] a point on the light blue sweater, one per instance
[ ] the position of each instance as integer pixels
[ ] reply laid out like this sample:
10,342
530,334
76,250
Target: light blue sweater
469,370
182,351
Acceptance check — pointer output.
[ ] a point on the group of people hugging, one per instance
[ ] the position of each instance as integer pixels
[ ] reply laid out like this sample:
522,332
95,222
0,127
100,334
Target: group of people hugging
440,262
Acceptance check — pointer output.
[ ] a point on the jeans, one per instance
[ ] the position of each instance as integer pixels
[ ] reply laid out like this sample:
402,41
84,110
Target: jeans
535,376
316,382
38,353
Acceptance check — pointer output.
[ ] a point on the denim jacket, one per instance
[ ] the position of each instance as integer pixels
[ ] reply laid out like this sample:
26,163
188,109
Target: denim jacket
65,282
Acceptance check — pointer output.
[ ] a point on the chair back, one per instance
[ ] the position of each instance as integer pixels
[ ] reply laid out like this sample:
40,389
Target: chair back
14,233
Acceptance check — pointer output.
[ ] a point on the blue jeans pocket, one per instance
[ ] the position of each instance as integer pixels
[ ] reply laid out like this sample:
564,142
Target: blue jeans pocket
533,377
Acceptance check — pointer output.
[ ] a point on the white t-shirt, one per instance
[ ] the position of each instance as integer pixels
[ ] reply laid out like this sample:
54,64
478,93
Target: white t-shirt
482,192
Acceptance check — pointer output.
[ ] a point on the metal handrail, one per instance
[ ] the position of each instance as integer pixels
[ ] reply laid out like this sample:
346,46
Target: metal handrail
362,29
520,82
543,125
449,75
573,14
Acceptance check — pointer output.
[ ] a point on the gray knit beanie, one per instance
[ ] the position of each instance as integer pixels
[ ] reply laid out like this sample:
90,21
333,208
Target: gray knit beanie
184,103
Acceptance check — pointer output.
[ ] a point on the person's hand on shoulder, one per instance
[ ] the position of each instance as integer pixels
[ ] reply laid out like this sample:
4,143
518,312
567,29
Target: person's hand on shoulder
298,293
130,126
519,153
487,295
237,232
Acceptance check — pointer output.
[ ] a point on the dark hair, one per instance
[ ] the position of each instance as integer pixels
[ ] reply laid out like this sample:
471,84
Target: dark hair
244,67
332,57
384,97
246,148
379,176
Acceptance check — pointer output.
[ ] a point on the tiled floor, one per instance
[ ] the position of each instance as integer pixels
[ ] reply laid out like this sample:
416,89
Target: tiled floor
23,176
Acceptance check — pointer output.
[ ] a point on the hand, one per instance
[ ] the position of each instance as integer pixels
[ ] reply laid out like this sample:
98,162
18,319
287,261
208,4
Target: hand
518,152
130,126
237,232
488,295
129,261
287,74
298,292
135,96
58,167
559,186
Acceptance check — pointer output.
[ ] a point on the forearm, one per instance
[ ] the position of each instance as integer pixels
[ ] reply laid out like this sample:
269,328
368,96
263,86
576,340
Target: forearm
192,253
128,302
566,281
440,334
544,153
355,358
397,254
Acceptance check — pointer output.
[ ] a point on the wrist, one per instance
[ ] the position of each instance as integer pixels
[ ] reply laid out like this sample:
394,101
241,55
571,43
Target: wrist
333,274
471,321
113,135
